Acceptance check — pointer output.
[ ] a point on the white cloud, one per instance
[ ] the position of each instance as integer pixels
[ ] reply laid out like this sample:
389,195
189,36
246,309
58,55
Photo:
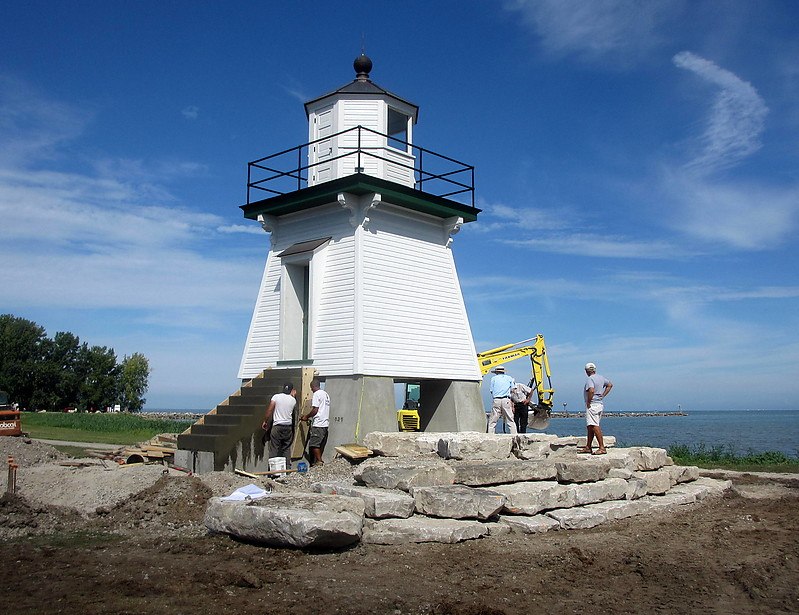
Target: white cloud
736,120
249,229
191,112
592,30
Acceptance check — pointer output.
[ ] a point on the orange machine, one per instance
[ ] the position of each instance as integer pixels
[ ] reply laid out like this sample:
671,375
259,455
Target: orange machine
10,418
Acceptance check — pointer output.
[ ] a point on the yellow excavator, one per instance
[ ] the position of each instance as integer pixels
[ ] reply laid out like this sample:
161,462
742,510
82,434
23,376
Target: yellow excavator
408,417
537,351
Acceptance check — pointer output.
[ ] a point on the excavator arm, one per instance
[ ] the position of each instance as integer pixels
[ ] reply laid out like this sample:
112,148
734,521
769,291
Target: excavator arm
537,351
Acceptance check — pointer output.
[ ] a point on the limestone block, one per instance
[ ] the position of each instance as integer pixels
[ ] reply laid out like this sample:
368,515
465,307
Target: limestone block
657,481
648,458
608,489
636,488
474,445
421,529
379,503
621,458
457,502
588,469
577,518
564,441
389,473
402,444
532,450
290,520
703,487
682,474
669,501
610,441
499,471
531,498
620,509
537,524
499,529
620,473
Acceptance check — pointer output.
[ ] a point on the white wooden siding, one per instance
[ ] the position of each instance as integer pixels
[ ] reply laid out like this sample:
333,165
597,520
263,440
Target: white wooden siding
414,319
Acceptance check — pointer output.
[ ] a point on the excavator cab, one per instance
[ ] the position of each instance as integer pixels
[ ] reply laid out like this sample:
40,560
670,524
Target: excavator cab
408,417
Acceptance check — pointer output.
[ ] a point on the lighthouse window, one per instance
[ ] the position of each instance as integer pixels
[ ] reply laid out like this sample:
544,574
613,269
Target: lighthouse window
398,129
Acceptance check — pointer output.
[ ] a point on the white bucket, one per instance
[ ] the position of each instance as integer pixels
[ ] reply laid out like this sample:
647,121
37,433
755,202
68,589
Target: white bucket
277,463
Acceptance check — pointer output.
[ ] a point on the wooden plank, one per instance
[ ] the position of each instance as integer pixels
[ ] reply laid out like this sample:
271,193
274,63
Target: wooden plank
353,451
243,473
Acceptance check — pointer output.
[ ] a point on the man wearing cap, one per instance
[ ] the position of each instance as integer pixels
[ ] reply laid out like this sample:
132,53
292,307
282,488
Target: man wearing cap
596,389
501,384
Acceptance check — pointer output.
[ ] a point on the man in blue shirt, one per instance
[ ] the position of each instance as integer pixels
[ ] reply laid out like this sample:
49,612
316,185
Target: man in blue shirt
501,384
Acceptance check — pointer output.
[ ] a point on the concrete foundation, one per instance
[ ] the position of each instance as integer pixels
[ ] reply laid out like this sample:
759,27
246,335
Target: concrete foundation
362,404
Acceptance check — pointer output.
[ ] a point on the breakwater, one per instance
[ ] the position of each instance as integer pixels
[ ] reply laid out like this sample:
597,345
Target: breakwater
566,415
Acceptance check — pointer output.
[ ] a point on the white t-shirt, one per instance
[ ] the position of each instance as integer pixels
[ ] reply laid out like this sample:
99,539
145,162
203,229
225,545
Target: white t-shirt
284,409
321,400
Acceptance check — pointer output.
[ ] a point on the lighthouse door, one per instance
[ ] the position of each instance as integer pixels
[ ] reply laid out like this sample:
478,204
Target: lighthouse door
321,150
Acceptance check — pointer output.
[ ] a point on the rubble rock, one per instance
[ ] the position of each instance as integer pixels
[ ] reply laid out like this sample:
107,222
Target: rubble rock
290,520
636,488
658,482
648,458
537,524
531,498
682,474
577,518
530,446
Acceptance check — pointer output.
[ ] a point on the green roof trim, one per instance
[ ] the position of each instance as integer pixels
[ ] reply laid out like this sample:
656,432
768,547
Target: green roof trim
359,183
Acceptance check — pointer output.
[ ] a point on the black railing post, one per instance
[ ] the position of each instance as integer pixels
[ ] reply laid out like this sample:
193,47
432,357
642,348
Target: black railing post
359,168
299,167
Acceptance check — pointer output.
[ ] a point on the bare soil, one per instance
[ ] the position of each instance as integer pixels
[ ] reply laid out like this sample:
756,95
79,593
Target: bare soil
149,553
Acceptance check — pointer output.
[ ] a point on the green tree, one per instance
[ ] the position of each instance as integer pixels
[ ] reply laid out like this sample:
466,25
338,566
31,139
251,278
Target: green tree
133,377
99,389
21,355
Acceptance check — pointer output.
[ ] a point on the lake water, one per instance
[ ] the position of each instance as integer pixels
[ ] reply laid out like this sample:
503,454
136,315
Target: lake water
743,430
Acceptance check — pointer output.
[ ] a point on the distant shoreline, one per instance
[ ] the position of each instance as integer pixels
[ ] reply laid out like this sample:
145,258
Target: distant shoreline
565,415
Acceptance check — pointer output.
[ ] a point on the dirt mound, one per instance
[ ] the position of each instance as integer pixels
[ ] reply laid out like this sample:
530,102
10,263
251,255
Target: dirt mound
27,452
19,517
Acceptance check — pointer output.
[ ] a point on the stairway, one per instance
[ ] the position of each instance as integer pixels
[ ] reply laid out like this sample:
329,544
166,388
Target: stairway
229,436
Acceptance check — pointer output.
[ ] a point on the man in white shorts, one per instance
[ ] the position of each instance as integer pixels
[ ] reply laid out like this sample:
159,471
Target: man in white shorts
320,413
596,389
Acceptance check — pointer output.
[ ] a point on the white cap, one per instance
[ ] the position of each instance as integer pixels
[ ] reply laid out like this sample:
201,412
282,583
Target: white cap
589,366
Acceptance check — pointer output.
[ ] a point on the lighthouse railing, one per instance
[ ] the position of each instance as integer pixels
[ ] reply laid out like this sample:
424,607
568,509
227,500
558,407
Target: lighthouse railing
427,171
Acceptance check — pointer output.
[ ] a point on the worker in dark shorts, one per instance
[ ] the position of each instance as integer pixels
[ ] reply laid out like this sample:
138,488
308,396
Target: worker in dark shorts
320,421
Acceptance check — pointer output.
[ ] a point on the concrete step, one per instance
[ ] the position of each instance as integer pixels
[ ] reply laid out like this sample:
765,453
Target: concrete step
210,430
249,400
241,409
230,419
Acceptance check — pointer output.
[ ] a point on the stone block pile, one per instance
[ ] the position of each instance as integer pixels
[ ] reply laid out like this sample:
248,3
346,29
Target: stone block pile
450,487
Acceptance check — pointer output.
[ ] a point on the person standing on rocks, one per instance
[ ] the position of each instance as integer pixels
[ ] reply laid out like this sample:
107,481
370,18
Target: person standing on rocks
279,422
320,413
501,384
595,390
520,395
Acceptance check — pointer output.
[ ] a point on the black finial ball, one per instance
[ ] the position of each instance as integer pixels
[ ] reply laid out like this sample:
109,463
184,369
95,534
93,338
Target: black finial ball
362,65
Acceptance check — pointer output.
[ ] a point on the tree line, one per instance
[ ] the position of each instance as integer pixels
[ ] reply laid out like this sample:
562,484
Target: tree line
43,373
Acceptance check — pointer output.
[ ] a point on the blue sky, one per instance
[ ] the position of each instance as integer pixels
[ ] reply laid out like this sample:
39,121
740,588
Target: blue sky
636,163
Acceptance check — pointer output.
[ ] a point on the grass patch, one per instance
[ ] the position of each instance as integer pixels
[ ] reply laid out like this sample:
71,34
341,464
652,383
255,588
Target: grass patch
105,428
726,458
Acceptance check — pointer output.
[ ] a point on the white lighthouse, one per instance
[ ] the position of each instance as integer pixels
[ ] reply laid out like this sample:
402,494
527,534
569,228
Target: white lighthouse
360,282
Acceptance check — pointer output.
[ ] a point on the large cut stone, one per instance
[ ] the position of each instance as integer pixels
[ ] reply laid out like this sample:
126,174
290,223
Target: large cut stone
499,471
658,482
682,474
636,488
609,441
537,524
404,474
577,518
402,444
457,502
379,503
533,445
474,445
531,498
703,487
590,469
648,458
290,520
620,509
622,459
421,529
